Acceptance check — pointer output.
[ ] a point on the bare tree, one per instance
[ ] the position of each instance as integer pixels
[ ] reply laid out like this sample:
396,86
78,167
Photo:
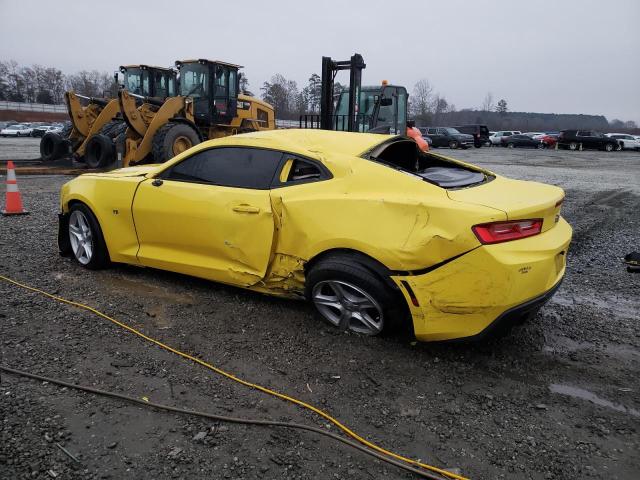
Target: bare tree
487,103
502,106
422,99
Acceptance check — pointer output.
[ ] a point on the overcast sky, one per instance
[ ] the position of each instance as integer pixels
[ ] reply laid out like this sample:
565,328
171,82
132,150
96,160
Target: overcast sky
569,56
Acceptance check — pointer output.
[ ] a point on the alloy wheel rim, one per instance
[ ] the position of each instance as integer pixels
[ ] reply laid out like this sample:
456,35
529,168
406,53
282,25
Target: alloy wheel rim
80,237
348,307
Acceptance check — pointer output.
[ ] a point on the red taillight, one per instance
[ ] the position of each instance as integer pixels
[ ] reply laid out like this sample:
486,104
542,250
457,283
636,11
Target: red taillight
497,232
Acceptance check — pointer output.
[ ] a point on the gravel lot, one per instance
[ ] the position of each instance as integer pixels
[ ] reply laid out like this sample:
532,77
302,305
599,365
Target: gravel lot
23,148
556,399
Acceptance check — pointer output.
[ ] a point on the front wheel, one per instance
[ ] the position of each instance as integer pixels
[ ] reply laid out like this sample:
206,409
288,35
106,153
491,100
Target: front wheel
540,146
510,145
350,296
573,146
453,144
609,147
85,238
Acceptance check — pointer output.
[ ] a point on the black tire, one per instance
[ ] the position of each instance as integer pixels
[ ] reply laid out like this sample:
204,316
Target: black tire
352,271
51,146
540,146
453,144
573,146
511,145
113,128
477,145
99,152
166,138
609,147
100,255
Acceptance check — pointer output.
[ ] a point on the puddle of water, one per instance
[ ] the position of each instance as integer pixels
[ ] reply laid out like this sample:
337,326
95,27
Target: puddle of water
582,394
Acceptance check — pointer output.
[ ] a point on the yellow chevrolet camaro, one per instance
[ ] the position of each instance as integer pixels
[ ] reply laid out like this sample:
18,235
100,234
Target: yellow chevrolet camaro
371,230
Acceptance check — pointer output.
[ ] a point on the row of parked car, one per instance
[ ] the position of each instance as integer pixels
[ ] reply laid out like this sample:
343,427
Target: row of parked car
465,136
33,129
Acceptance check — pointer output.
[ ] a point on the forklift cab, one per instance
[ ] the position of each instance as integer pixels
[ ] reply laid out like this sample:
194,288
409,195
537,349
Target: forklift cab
380,109
213,86
157,82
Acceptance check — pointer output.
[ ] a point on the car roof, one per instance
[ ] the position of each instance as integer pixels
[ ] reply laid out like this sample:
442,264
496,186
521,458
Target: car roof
308,142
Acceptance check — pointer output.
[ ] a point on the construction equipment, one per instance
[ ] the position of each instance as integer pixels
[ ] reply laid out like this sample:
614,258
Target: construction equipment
208,106
374,109
91,116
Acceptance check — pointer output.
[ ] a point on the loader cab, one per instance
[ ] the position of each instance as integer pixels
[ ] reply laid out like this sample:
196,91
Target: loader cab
149,81
214,87
381,109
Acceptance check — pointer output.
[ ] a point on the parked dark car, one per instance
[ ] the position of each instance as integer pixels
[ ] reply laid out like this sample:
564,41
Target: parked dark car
521,141
447,137
576,139
480,134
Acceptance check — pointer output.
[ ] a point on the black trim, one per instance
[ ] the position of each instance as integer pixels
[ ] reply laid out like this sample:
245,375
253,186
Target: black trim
324,171
422,271
513,316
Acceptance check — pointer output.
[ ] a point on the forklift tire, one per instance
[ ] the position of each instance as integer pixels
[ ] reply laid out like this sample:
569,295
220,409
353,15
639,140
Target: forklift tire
100,151
172,139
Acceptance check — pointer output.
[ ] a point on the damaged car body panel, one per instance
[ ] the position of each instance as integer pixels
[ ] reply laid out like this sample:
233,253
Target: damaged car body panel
318,192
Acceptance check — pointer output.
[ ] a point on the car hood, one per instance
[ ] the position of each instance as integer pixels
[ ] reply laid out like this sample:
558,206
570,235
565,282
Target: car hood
517,198
138,171
463,136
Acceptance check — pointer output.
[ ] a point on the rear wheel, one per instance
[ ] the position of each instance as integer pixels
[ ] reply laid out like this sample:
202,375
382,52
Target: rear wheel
540,146
454,144
609,147
573,146
350,296
172,139
510,145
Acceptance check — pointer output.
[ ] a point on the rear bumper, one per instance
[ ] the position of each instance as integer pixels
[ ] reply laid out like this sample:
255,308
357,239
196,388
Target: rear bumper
487,287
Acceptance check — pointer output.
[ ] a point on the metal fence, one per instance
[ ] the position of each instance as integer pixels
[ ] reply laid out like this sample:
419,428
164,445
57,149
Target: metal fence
32,107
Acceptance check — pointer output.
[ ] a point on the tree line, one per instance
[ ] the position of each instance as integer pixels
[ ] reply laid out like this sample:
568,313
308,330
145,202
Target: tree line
40,84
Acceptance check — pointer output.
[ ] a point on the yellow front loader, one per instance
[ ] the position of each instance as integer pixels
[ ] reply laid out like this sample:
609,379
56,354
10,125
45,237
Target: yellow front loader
92,117
208,106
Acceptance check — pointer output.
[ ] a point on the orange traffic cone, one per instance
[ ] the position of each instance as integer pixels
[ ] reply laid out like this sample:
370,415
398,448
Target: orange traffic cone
14,201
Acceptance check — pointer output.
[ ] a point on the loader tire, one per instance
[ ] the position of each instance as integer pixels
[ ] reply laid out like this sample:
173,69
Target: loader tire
99,152
113,128
172,139
50,146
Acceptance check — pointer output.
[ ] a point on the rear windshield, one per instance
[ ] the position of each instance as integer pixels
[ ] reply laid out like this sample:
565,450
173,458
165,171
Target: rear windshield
404,155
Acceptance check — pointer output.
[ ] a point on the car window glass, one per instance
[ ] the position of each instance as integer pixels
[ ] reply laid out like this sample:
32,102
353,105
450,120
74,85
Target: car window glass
303,170
230,167
432,131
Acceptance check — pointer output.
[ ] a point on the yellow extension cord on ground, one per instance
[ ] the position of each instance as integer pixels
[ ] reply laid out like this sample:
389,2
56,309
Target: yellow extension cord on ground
268,391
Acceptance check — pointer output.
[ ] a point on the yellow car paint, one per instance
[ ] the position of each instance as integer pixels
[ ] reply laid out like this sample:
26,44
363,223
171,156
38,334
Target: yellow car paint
262,239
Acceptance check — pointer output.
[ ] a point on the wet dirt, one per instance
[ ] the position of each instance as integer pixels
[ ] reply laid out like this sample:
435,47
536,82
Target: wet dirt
485,408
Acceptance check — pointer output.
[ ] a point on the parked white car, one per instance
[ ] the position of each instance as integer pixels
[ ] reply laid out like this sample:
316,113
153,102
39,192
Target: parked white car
497,136
16,131
626,141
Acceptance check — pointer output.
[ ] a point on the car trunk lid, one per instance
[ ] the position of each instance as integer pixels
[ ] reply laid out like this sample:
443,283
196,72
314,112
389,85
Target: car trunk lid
516,198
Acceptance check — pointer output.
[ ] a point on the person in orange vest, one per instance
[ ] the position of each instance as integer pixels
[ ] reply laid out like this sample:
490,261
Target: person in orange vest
414,133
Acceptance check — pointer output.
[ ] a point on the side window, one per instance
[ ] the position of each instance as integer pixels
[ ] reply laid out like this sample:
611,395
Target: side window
303,170
263,118
583,133
229,167
432,131
233,82
299,170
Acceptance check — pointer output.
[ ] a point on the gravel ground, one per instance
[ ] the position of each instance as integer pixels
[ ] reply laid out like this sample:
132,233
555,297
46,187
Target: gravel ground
17,149
556,399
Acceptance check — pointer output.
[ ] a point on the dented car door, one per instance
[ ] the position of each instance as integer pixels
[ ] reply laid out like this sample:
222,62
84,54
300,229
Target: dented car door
209,215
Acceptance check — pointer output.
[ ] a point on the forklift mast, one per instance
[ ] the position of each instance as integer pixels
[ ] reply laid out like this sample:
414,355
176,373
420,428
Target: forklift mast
329,70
